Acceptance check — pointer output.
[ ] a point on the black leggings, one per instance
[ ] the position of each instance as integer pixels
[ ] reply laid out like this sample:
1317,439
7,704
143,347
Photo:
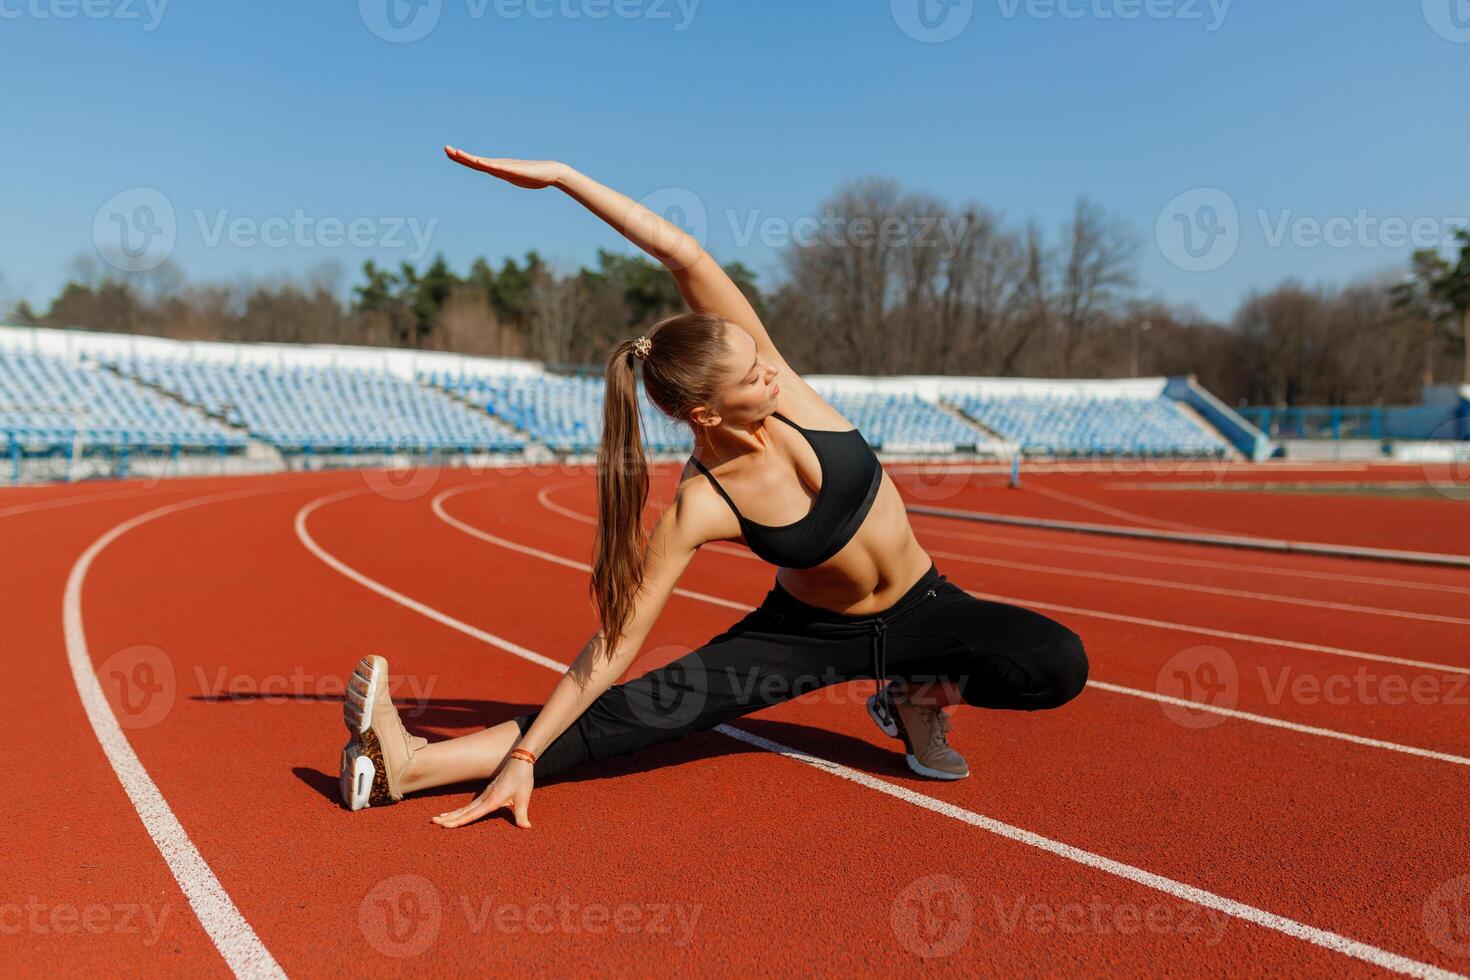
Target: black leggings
1000,656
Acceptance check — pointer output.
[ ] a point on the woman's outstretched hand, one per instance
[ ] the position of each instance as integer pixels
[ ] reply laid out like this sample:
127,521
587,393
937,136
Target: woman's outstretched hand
522,173
512,788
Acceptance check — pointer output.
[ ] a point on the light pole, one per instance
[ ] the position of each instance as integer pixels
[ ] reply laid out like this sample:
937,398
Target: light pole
1138,328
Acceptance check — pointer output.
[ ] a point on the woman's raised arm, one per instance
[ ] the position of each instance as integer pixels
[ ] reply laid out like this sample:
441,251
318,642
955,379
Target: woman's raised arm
705,286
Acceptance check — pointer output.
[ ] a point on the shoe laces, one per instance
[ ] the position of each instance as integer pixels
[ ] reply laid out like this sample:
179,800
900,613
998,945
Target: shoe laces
938,720
938,723
941,727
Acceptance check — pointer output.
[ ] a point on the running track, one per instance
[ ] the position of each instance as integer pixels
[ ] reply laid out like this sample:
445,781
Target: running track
178,653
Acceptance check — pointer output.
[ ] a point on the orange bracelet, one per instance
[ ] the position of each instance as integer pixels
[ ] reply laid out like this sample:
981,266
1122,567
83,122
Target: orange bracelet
526,754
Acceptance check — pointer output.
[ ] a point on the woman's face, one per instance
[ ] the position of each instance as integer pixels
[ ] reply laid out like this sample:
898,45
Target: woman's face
750,389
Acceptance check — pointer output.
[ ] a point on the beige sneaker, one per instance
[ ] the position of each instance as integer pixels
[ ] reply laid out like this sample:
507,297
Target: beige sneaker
379,748
925,732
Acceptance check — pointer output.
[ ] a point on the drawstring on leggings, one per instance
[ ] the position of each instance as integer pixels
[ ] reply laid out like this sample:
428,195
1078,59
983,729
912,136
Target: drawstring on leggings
880,656
879,629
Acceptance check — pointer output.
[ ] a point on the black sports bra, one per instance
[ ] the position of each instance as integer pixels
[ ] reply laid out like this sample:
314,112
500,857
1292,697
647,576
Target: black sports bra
851,475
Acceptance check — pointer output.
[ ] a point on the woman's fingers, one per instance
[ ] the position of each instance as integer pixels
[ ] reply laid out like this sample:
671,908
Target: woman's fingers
522,807
513,793
522,173
490,165
472,810
470,160
469,814
444,819
487,803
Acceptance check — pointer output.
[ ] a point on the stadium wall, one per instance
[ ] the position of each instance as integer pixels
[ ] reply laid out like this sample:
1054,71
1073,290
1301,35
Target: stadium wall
1248,439
401,363
1443,412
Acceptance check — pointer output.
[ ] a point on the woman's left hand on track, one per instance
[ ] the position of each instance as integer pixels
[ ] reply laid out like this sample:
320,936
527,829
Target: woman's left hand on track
512,788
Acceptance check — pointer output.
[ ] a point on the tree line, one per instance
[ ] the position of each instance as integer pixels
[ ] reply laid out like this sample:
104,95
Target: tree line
984,297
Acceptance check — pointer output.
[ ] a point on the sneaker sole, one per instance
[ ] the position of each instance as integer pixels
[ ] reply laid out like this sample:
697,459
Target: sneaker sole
924,770
363,781
358,775
890,727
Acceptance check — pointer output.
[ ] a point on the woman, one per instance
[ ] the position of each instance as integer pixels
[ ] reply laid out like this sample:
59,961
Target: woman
855,595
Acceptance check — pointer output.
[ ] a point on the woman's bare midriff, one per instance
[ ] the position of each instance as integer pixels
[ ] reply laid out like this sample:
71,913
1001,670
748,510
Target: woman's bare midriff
873,570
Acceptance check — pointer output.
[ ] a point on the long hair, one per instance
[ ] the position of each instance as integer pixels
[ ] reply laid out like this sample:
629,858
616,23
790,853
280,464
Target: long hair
681,372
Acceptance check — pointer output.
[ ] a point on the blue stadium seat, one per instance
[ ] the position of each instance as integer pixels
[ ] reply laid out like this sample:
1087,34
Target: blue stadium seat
565,413
46,402
325,409
1082,425
895,421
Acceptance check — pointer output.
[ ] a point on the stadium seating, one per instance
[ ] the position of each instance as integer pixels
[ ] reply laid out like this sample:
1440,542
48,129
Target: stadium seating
563,412
46,402
903,422
132,394
324,409
1084,425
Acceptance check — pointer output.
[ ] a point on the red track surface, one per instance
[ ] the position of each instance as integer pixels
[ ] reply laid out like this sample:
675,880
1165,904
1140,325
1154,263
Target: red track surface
777,866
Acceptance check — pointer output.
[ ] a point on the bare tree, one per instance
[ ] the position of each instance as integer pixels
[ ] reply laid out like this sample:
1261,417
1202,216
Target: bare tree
555,302
1097,273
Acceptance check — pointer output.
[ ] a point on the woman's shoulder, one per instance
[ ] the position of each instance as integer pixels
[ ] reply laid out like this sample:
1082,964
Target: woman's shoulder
802,404
699,509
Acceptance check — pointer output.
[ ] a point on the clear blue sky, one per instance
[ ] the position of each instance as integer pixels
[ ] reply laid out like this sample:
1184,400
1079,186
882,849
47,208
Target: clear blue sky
1312,109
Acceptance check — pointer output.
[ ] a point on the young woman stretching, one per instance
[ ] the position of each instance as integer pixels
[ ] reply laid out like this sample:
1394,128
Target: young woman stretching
855,595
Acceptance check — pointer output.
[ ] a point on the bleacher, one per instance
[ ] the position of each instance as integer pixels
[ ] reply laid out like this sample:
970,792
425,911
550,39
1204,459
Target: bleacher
323,408
310,405
903,423
48,404
562,412
1083,425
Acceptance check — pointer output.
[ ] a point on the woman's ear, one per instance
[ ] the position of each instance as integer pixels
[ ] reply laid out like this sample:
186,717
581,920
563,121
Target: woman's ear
703,416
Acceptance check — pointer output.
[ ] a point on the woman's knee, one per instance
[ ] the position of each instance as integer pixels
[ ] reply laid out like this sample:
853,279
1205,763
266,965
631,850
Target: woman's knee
1041,675
1066,667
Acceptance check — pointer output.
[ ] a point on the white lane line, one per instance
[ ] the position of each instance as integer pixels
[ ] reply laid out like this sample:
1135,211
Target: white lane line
545,501
1069,467
1163,624
55,502
227,928
1100,508
1458,760
1159,583
1330,940
1365,952
543,497
399,597
438,508
1245,542
946,531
